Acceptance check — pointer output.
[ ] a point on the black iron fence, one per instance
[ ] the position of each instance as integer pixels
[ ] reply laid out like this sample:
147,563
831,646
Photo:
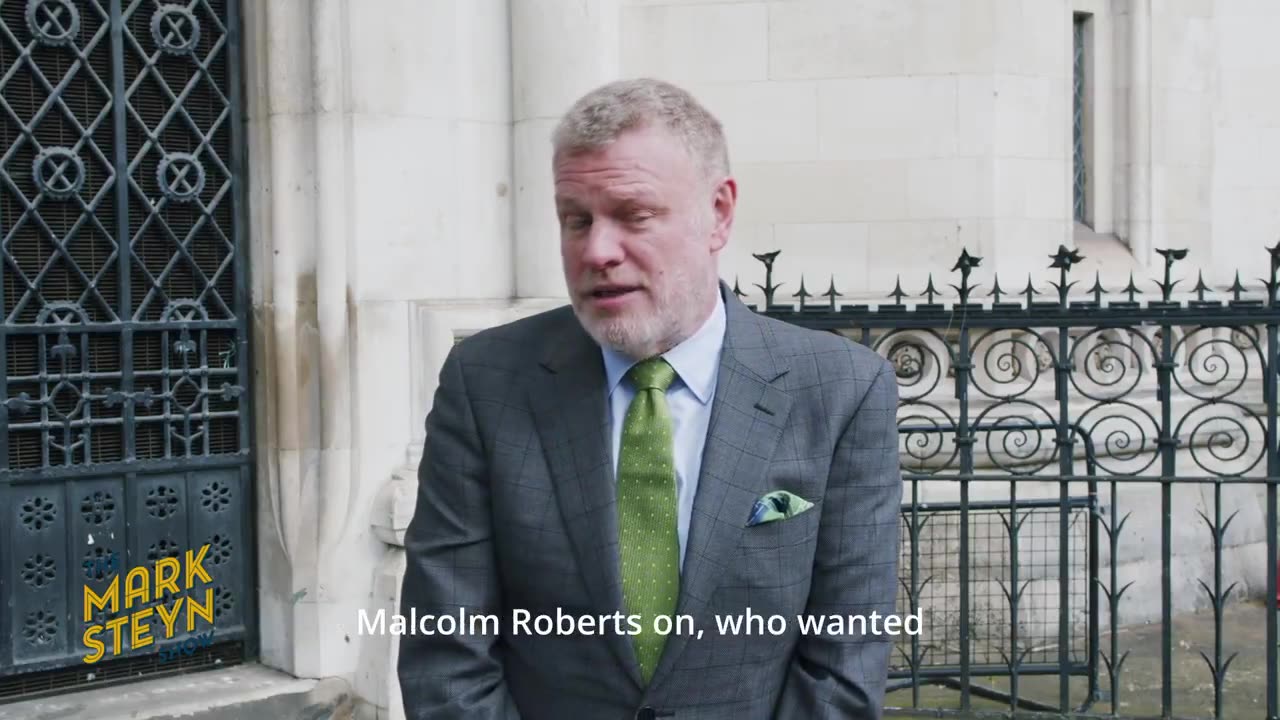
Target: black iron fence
1077,467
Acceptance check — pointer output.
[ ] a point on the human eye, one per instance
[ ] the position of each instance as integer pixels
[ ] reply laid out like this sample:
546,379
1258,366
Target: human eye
575,221
637,215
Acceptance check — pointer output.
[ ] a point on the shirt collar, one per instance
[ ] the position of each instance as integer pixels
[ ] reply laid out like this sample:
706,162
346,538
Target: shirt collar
696,360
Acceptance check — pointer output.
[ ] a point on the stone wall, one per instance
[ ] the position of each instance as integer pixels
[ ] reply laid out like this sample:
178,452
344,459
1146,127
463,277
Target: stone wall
400,197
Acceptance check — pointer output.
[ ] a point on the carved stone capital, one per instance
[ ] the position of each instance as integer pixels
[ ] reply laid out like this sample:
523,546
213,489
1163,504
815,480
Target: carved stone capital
393,508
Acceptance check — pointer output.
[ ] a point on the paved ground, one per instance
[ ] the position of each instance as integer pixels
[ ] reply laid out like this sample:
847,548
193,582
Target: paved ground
1244,631
243,692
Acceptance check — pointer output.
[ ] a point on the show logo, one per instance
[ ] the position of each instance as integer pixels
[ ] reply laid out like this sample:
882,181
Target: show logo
143,585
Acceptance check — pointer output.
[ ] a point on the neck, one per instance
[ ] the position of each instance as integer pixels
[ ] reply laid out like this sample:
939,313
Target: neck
706,306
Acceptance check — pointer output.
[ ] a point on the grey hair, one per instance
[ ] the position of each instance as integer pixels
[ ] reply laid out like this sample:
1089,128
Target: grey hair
600,116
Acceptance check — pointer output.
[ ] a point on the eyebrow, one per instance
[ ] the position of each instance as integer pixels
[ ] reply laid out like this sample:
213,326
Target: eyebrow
642,195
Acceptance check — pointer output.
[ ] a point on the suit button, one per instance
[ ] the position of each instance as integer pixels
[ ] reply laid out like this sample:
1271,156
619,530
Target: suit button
646,713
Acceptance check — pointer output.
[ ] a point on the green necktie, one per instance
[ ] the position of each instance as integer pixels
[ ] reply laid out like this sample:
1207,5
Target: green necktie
648,545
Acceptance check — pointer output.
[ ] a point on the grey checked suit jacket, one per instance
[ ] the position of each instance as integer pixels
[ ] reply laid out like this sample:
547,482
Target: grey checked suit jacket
516,509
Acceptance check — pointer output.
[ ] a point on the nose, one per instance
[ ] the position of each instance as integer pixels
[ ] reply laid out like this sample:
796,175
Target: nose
602,246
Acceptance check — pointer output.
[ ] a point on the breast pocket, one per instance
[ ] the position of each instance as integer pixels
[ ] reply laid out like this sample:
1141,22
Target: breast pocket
788,533
773,568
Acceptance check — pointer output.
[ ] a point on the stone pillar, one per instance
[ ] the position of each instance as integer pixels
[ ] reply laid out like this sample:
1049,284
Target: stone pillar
1140,135
298,229
560,49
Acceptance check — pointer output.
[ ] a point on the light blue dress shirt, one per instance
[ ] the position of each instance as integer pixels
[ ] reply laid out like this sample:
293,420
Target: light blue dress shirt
697,364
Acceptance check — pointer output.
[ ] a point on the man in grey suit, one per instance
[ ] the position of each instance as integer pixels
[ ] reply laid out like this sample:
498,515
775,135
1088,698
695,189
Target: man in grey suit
654,449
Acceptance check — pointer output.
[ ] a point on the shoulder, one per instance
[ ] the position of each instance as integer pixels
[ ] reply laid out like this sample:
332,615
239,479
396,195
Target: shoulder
515,343
823,355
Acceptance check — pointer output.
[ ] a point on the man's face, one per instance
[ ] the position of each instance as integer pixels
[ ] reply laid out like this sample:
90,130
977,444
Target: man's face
640,226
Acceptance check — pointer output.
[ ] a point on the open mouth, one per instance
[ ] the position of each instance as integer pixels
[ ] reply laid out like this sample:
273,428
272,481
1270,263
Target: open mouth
611,292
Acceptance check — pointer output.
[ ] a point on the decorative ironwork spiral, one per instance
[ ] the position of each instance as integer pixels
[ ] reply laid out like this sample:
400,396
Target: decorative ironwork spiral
1016,432
1220,440
908,359
1114,366
919,366
925,428
1219,367
1122,432
1010,363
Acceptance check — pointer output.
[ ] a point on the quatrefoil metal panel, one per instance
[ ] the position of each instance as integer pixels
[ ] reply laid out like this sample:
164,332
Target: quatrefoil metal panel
53,22
180,176
175,30
58,172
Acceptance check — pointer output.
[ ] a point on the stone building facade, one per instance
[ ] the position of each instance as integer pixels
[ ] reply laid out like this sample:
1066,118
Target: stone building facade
399,195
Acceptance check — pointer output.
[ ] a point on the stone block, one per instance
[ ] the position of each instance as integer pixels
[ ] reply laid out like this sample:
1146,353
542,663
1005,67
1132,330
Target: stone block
765,121
1245,214
819,251
976,107
1186,46
430,208
1236,153
1019,246
914,249
822,191
560,50
395,69
1186,194
887,118
949,188
1031,116
482,89
536,230
946,38
380,353
839,38
1245,101
1246,40
1033,37
672,42
1032,189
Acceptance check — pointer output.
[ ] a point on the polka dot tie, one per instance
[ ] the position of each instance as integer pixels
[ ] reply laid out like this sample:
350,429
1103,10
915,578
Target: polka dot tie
649,547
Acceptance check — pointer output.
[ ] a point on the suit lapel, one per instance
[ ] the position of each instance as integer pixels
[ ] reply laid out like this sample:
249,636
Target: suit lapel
748,415
572,416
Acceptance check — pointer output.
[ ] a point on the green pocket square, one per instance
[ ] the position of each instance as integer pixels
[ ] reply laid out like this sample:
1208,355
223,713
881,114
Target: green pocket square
777,505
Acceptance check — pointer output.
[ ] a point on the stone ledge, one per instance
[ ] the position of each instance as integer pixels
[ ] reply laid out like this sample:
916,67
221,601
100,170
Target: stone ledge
244,692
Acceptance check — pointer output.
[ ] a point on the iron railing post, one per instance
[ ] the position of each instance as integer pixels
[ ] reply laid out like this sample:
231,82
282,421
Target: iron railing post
1065,448
124,240
915,591
964,440
1015,594
1167,444
1269,370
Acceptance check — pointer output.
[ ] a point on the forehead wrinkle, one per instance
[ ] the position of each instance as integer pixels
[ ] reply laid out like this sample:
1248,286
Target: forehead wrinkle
615,187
